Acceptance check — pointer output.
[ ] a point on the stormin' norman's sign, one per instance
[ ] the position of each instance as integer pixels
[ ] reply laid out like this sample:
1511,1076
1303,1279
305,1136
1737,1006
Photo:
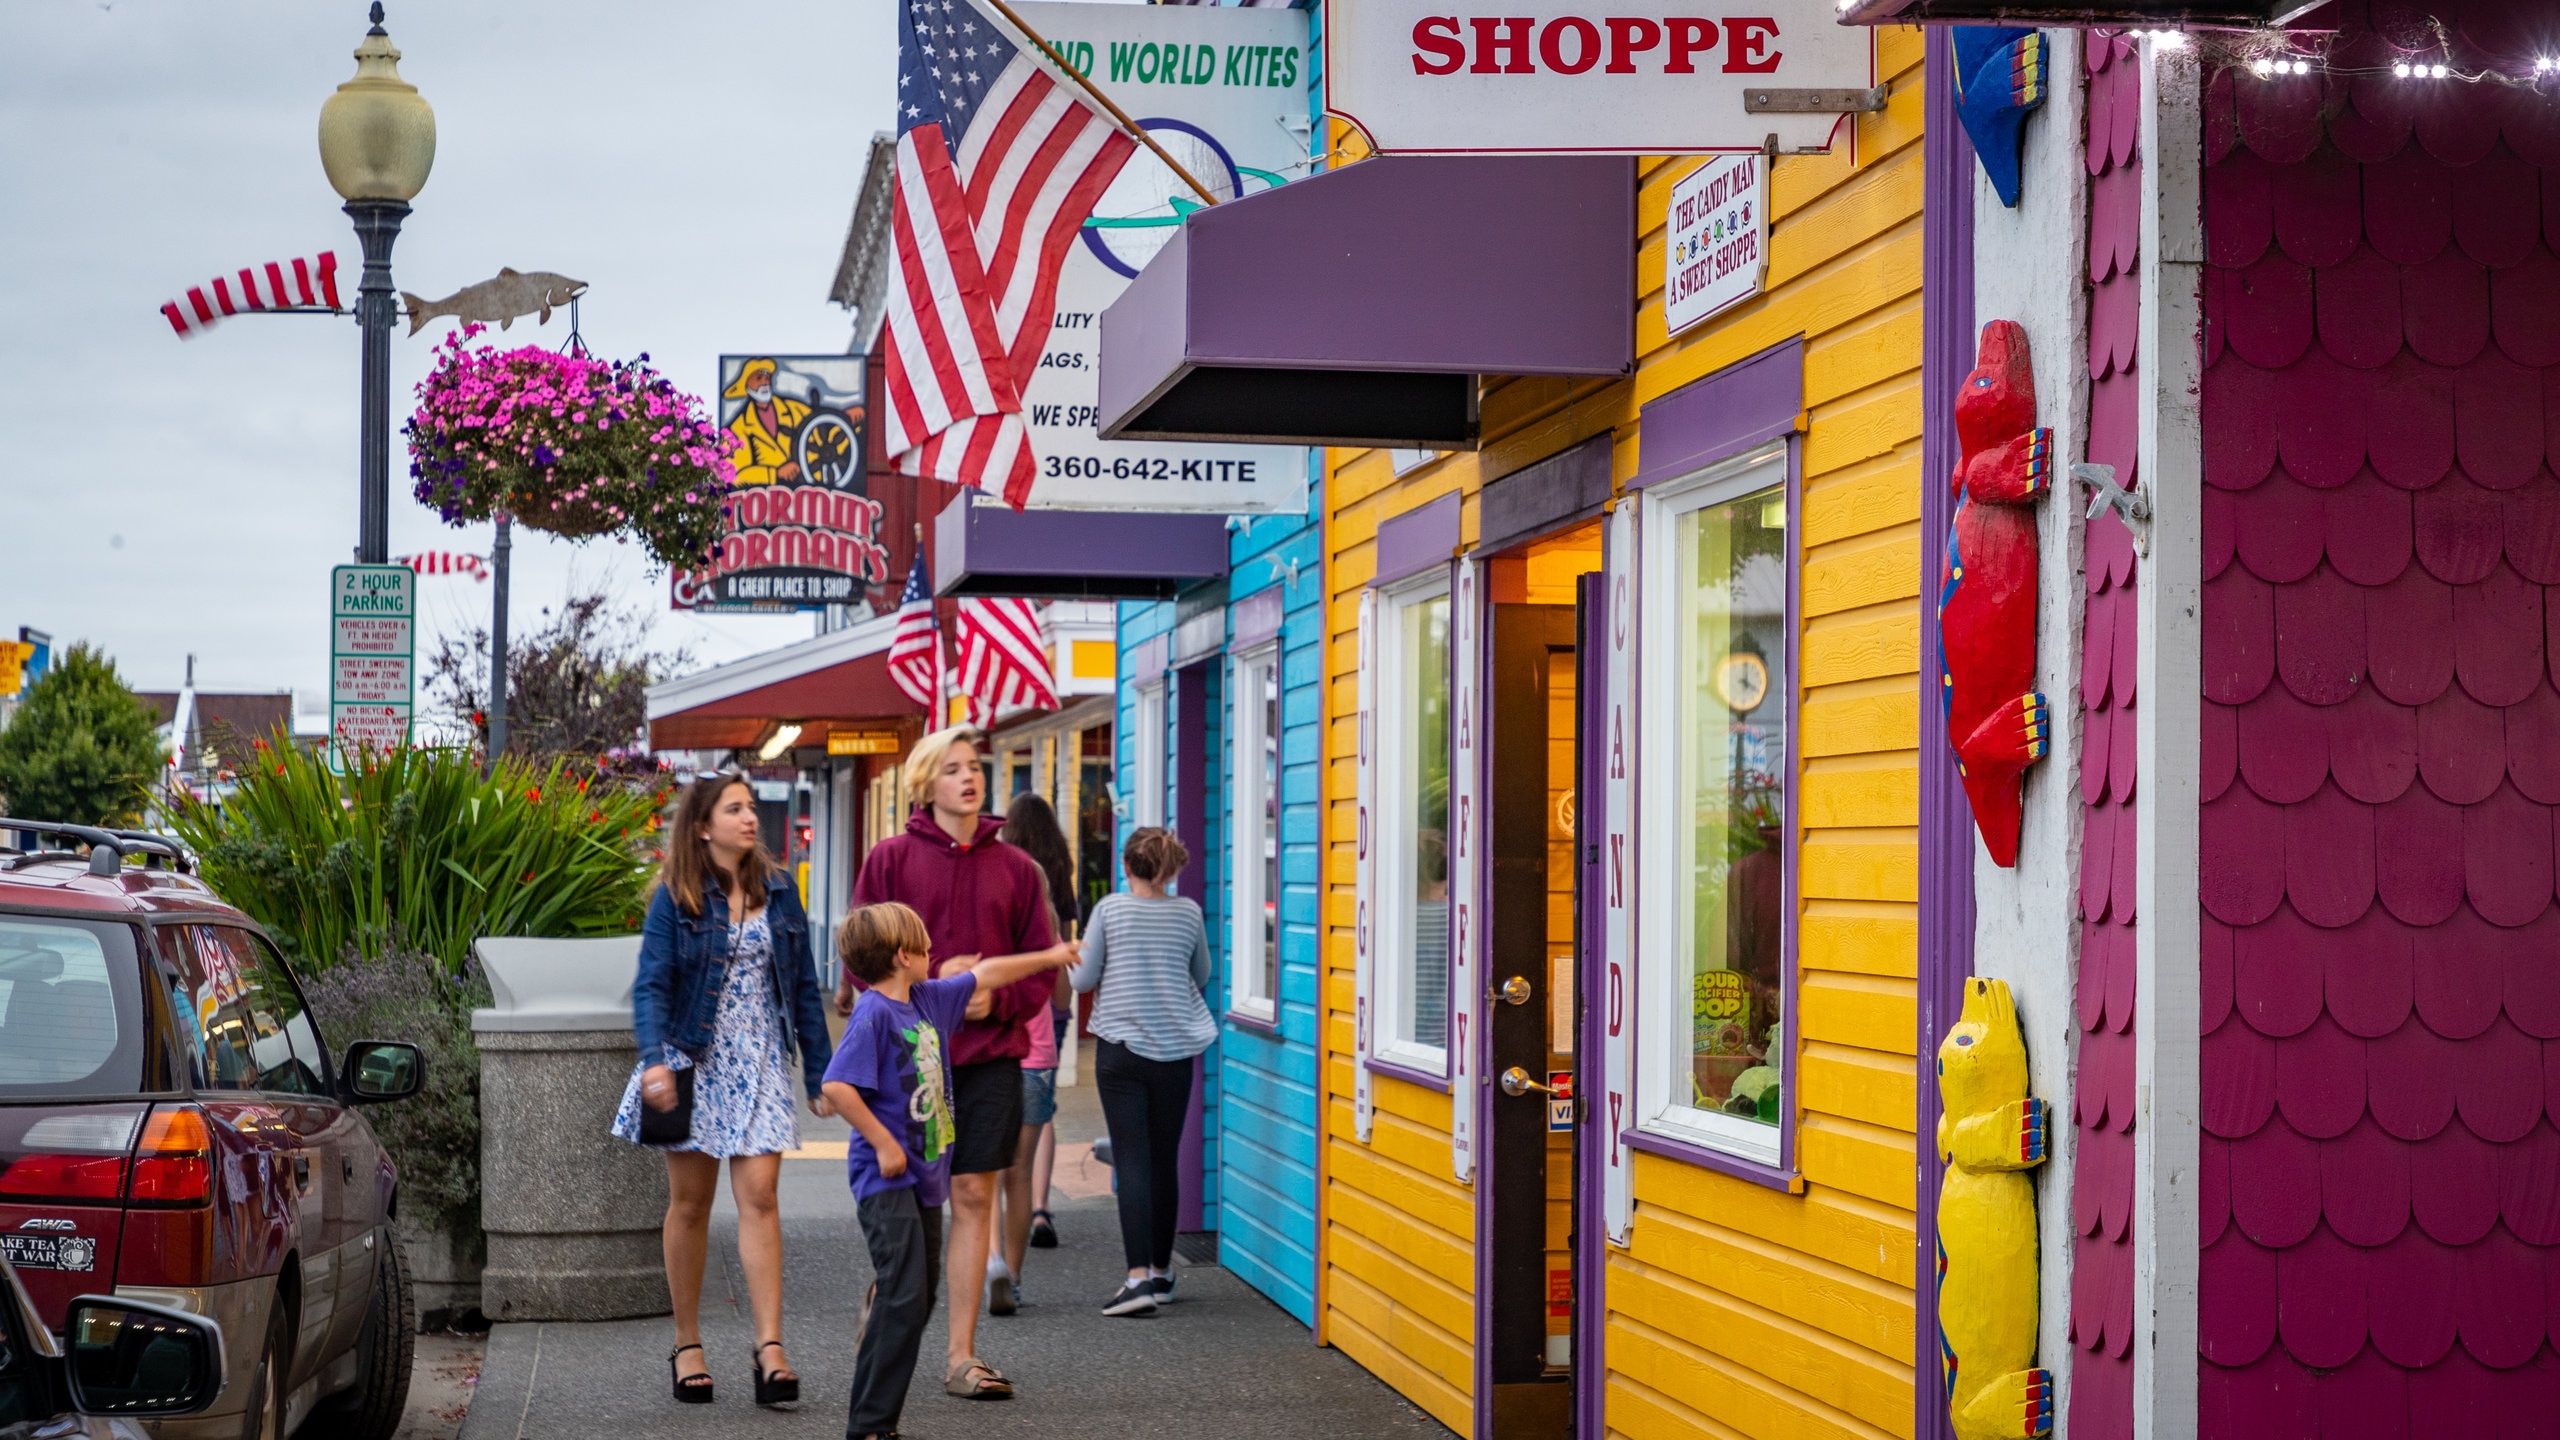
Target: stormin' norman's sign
1632,77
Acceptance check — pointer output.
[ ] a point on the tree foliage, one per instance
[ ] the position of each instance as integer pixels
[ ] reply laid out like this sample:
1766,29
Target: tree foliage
81,750
577,686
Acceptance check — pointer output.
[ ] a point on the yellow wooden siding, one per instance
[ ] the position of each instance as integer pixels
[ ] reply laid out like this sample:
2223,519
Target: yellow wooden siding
1739,1310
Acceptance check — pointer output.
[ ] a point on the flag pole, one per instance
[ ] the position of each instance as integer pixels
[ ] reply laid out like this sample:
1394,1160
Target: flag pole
1135,132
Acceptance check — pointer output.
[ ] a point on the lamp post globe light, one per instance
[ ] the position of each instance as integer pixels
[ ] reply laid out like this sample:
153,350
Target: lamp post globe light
377,141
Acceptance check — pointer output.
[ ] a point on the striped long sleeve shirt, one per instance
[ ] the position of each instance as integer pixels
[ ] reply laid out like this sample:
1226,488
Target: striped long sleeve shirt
1150,958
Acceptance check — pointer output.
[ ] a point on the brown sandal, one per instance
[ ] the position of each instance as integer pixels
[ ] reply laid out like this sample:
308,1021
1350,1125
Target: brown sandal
975,1379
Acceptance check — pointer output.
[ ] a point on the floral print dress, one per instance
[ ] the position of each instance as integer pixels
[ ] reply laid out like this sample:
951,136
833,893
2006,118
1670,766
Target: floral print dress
743,1102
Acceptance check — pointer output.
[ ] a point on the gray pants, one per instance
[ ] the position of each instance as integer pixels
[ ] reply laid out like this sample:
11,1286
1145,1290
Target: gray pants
905,1240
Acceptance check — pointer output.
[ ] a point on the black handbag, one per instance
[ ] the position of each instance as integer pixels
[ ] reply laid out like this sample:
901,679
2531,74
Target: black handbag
674,1126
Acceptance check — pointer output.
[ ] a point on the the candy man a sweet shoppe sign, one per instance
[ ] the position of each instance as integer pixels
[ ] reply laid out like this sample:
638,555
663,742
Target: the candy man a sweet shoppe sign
1718,246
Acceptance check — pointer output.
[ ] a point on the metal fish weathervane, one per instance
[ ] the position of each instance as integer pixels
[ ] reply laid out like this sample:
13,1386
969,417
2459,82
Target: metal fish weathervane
501,298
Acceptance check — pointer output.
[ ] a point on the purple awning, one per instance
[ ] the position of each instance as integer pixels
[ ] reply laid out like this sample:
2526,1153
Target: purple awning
983,548
1357,306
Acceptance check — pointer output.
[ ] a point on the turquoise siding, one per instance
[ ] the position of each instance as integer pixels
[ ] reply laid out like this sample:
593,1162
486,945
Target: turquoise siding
1259,1105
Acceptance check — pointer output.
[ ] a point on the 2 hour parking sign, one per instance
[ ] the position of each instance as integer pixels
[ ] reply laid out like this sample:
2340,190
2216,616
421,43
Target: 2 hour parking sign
373,636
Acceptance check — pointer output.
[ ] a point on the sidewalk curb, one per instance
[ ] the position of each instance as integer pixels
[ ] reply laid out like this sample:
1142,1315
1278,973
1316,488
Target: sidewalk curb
499,1404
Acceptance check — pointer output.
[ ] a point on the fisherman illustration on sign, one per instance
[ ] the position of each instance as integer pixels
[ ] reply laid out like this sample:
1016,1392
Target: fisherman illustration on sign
765,428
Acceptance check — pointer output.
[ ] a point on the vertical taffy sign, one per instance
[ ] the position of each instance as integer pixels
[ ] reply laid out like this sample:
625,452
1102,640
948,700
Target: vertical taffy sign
1466,869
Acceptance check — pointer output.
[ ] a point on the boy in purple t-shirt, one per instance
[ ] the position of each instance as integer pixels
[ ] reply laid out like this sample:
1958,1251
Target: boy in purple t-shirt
891,1076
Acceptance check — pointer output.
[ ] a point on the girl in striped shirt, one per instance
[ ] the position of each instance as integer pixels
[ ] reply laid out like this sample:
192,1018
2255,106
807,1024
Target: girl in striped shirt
1148,953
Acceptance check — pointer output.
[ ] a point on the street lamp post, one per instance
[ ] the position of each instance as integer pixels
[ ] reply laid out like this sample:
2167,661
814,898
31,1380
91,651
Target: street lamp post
377,141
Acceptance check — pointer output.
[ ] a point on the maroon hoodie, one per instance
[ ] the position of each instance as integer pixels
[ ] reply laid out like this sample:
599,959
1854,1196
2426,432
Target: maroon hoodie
982,898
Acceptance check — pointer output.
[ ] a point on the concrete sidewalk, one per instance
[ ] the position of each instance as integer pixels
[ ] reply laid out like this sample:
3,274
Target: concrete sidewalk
1220,1362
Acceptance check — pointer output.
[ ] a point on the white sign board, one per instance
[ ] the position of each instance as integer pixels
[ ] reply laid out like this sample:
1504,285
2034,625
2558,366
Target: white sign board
1717,248
1225,91
1551,77
373,635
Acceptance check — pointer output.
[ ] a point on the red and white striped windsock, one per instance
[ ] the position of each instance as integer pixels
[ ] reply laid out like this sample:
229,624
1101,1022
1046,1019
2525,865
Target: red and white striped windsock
445,562
310,283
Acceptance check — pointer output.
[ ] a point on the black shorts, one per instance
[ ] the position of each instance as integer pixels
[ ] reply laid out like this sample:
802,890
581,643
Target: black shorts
986,1111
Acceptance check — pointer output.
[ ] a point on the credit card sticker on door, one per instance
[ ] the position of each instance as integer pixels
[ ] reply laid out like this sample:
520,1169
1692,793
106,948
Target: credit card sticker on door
1560,1101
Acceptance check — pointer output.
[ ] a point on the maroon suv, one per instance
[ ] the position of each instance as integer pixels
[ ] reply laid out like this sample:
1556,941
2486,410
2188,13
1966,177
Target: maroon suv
172,1131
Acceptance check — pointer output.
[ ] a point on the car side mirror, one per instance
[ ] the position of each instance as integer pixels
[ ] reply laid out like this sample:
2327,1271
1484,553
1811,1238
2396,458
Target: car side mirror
380,1070
125,1357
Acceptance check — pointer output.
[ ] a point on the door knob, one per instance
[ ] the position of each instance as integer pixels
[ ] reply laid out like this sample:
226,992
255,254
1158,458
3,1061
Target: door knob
1514,991
1516,1081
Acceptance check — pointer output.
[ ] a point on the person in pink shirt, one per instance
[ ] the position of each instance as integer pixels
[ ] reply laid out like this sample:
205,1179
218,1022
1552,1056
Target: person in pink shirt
1032,827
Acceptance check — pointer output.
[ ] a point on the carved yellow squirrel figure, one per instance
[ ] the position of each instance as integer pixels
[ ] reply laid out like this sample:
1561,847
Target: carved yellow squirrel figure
1990,1132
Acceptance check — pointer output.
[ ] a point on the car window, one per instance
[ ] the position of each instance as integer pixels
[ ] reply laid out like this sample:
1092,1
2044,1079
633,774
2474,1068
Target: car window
240,1014
70,1008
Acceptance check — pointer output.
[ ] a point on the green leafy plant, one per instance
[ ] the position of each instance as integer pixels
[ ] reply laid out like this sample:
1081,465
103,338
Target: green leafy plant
417,844
404,993
82,750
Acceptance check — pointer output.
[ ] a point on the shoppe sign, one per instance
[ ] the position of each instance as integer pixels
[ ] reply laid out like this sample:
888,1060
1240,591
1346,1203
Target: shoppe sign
1629,77
1225,91
1717,239
804,531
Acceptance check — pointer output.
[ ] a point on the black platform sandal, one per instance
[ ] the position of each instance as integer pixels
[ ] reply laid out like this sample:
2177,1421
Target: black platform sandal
770,1389
690,1389
1044,1230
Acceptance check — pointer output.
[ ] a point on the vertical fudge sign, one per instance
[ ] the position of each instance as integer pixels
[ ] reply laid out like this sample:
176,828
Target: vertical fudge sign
1717,249
373,628
803,531
1656,77
1224,90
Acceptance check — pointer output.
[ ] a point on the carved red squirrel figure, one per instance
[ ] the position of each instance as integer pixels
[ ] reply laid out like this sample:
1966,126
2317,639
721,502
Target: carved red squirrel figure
1996,719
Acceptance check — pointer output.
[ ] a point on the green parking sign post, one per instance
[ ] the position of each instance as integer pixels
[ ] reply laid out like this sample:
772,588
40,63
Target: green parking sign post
373,620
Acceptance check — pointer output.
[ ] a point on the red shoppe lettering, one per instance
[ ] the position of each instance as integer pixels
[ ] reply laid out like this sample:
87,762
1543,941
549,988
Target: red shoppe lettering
1572,44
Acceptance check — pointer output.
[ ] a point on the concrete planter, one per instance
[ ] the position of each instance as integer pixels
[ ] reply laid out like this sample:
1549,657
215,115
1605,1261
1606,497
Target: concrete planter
444,1267
572,1213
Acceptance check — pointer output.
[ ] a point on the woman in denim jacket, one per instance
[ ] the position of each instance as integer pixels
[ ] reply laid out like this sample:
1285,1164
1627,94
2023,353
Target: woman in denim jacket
729,992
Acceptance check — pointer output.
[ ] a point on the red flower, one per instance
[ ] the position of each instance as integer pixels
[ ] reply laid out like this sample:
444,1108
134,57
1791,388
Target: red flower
528,877
533,793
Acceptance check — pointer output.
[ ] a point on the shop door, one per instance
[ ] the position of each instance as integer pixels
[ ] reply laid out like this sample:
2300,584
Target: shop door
1525,1316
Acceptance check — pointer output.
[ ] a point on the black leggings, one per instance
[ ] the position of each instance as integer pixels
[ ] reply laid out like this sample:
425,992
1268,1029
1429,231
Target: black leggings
1145,1103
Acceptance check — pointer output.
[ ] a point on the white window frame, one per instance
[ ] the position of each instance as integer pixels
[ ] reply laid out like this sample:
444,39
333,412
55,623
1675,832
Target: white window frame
1248,792
1393,936
1664,1007
1146,755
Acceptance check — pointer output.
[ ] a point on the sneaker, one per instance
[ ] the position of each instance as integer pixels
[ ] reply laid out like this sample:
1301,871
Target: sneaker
1003,1296
1163,1287
1137,1298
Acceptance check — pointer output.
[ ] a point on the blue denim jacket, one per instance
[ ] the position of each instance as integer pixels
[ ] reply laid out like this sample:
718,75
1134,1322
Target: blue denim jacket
684,960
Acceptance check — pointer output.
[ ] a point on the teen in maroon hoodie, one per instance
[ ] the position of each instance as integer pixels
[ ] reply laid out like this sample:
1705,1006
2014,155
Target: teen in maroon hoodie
979,898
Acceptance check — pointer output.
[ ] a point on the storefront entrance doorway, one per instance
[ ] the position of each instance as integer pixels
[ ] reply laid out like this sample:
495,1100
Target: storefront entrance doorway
1528,1188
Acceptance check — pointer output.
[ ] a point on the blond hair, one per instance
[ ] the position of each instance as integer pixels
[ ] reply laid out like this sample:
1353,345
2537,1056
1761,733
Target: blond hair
871,939
924,762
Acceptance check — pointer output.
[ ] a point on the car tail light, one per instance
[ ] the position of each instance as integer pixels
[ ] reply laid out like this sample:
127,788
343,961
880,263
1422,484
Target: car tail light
64,1177
173,1165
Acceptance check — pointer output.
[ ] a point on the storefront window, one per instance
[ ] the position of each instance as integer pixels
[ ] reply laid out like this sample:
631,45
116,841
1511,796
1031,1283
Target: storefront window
1713,910
1253,950
1413,827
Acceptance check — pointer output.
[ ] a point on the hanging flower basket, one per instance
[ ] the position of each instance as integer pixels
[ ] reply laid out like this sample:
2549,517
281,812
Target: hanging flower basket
569,444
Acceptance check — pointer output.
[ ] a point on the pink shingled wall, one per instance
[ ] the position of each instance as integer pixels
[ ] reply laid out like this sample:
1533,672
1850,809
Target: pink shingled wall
2381,746
2102,1100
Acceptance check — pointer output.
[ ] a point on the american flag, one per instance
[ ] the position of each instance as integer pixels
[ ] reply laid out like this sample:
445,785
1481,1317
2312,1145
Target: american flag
1000,161
915,651
1001,662
310,283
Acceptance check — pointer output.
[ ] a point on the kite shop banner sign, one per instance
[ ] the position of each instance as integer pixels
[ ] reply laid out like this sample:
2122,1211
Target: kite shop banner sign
804,531
373,637
1613,77
1224,91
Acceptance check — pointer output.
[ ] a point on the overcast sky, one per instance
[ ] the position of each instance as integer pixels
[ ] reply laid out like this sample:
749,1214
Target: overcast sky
694,162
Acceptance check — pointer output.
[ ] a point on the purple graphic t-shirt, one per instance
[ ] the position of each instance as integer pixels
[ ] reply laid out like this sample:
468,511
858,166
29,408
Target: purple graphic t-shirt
896,1053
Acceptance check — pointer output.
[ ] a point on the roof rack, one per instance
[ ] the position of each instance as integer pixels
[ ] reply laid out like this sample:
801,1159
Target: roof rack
107,848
